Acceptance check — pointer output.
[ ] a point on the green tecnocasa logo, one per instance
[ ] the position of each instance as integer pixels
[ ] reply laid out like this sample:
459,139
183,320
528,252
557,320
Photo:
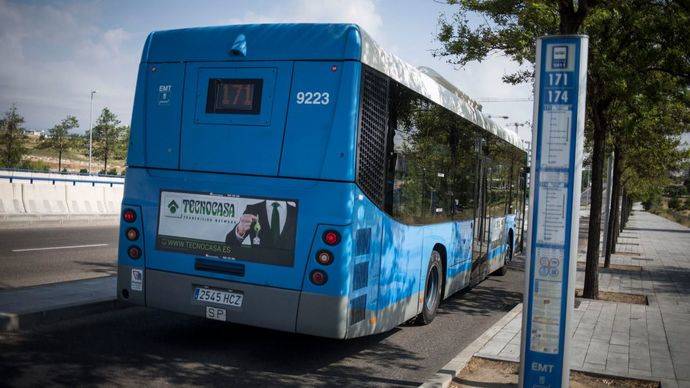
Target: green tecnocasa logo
172,206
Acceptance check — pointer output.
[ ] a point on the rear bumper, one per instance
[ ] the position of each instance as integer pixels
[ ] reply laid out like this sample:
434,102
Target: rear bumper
267,307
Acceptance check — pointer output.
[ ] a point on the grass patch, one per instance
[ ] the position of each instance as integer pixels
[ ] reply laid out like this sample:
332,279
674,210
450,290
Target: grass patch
618,297
681,216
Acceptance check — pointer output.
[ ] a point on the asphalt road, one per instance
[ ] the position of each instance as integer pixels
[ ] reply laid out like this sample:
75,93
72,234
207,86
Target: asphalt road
32,256
138,346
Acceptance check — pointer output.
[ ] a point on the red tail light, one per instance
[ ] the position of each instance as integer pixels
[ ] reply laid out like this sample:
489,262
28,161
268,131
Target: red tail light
129,215
331,237
134,252
324,257
318,277
132,234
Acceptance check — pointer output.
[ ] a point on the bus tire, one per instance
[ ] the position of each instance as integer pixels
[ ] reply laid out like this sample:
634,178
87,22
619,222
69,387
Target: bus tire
432,289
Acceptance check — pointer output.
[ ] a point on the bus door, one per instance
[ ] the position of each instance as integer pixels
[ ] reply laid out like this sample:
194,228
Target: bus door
481,225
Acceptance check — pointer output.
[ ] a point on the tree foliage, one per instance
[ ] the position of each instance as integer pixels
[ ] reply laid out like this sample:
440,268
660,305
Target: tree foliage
639,62
59,136
12,148
109,137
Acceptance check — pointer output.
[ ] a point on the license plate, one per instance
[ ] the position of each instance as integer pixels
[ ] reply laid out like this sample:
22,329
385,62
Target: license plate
216,313
227,298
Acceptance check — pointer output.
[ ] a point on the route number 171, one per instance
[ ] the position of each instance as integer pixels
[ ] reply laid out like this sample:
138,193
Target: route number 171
558,79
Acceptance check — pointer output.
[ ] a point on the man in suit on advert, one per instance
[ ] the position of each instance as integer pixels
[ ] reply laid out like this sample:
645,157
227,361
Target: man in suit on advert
266,224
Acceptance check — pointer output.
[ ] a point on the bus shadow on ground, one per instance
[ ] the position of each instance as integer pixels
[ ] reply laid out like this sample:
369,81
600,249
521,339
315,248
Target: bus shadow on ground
155,347
480,301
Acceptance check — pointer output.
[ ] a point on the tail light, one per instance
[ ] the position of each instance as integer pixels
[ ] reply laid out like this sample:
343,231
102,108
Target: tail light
331,237
324,257
318,277
132,234
129,215
134,252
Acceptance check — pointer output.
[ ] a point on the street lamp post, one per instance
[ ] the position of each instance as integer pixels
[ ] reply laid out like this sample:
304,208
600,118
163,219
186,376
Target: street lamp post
91,130
517,125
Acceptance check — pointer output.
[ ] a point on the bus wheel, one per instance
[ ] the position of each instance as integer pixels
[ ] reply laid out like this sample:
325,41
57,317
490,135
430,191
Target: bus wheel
432,293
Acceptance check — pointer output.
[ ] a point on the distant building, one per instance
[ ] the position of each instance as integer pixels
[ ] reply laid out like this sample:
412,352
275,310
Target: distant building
36,133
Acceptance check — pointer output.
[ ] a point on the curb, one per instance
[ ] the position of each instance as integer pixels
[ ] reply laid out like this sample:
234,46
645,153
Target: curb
445,375
23,321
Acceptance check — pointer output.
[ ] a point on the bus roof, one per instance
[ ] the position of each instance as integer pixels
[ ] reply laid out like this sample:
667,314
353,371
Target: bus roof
315,42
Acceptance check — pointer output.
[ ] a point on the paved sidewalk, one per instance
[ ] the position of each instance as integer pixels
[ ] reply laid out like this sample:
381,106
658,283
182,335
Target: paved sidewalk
651,342
21,308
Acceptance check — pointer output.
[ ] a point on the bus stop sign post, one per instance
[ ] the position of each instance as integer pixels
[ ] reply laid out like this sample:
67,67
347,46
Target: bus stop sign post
556,170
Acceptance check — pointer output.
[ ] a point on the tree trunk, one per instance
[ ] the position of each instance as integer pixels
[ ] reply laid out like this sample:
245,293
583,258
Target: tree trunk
617,223
591,286
614,213
571,18
625,203
106,150
59,160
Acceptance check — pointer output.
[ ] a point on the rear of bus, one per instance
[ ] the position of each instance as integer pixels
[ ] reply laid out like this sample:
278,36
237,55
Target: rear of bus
240,195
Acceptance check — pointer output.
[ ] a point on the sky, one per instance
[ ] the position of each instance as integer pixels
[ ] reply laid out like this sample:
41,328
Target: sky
53,53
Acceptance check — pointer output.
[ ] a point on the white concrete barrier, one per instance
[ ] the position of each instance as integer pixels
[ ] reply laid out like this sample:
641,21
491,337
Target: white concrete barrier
113,198
85,199
44,199
11,199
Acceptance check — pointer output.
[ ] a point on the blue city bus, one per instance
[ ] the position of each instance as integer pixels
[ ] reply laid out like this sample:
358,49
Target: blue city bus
298,177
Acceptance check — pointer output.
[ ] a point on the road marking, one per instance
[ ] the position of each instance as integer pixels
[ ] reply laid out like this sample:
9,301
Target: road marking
62,247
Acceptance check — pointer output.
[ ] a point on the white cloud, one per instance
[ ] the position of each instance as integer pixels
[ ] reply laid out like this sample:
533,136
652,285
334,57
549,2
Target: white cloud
53,54
362,12
52,58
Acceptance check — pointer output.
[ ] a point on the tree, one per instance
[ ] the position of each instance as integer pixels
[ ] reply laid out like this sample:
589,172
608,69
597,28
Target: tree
107,134
123,143
635,38
12,134
59,136
647,144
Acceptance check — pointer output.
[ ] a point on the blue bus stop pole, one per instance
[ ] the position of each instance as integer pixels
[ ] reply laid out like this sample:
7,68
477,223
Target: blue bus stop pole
554,204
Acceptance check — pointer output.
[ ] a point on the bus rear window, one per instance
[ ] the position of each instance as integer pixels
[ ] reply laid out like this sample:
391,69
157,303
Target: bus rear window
234,96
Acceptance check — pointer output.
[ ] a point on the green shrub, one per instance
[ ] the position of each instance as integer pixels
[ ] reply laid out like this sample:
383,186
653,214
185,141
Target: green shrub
36,165
652,202
674,203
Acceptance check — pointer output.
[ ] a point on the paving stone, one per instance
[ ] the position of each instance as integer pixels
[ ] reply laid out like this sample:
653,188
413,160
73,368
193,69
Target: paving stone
511,352
639,373
621,349
592,367
683,369
595,356
663,368
620,338
640,363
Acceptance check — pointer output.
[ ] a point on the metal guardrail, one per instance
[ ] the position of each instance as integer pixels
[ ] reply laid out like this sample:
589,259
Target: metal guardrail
26,170
27,175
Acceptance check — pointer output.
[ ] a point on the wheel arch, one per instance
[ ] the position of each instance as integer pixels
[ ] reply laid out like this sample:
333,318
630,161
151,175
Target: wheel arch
441,249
